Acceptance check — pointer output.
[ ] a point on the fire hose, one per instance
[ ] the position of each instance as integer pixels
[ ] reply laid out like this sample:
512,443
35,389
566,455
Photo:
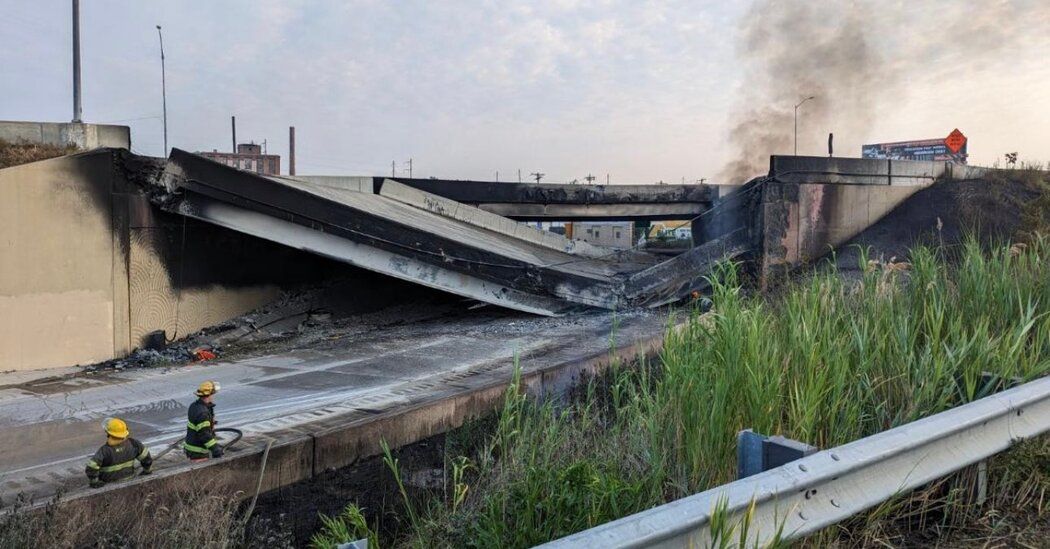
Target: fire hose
237,434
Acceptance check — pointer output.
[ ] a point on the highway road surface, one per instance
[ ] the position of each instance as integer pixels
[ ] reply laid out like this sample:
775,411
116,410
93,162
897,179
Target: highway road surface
49,427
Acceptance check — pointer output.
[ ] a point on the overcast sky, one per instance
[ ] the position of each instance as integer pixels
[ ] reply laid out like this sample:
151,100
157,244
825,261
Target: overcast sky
643,91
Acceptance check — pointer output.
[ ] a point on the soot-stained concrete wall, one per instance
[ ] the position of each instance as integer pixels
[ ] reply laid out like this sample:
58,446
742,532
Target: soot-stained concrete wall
812,205
87,266
184,275
804,222
58,304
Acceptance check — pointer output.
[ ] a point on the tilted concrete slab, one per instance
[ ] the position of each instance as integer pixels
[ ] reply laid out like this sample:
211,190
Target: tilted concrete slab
686,273
481,218
367,257
408,234
324,406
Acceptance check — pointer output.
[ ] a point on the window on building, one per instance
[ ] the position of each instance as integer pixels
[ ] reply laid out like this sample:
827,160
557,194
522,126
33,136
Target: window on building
617,234
596,235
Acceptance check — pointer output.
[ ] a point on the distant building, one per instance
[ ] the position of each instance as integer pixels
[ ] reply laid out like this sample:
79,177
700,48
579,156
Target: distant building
611,234
249,157
671,230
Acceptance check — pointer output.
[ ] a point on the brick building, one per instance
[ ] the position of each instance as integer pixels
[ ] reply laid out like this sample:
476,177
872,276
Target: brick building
249,157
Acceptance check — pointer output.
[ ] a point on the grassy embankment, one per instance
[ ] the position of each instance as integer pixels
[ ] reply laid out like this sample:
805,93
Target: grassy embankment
22,152
827,362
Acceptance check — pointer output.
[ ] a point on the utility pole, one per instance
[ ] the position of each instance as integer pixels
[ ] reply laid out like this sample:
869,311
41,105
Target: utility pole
264,146
519,175
537,176
796,120
291,150
497,176
233,128
163,90
590,179
393,168
606,179
409,168
76,62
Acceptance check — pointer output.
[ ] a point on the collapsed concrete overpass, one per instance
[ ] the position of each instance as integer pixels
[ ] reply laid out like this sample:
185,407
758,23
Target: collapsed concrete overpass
407,233
109,246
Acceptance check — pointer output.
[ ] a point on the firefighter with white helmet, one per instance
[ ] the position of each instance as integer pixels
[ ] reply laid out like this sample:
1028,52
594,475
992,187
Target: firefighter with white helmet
116,459
200,442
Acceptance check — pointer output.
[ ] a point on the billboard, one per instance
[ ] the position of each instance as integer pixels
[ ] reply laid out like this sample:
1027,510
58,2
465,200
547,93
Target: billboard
948,149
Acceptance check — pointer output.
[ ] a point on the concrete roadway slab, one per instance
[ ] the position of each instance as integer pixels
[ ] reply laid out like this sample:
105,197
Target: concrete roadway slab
48,428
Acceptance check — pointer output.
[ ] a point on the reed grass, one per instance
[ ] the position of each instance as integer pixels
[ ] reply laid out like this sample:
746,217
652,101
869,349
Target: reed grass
828,361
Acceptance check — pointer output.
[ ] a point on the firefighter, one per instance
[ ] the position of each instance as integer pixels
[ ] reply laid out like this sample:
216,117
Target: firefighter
200,429
116,459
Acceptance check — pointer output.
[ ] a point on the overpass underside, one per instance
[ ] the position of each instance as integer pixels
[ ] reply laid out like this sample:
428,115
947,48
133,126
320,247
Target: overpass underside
404,231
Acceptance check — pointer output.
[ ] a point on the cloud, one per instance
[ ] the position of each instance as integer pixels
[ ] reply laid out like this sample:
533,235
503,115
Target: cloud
642,90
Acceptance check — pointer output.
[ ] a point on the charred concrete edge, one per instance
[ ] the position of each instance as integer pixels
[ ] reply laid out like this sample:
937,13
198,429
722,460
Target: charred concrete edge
301,455
642,211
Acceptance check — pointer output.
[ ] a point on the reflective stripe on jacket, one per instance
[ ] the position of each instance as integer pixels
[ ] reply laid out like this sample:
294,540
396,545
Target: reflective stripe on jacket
200,429
117,462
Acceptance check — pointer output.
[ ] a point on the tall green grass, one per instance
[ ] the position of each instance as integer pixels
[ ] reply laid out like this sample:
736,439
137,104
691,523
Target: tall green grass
830,360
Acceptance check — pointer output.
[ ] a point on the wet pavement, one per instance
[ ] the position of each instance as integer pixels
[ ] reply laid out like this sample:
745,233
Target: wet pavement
49,427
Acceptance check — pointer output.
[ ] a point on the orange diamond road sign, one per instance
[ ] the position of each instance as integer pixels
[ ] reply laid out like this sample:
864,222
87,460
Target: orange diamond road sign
955,141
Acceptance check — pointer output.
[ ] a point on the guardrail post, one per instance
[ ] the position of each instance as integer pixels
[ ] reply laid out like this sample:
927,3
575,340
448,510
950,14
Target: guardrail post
749,453
756,453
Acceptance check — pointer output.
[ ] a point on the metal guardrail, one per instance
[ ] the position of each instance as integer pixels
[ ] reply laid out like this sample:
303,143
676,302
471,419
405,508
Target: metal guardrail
816,491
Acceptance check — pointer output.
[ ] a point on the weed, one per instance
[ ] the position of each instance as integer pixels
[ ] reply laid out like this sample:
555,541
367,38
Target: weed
827,361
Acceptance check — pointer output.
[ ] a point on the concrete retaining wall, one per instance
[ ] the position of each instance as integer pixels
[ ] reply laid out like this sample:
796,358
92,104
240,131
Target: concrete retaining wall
60,302
811,205
60,134
87,267
803,222
866,171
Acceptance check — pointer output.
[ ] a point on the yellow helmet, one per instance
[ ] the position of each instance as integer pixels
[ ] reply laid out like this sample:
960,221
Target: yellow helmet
208,388
116,428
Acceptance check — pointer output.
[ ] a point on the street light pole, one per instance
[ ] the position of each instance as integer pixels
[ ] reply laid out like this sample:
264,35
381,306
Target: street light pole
163,89
76,62
796,120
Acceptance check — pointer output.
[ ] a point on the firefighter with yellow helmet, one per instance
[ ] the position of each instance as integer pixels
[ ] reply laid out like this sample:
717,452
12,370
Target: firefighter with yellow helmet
200,440
116,459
